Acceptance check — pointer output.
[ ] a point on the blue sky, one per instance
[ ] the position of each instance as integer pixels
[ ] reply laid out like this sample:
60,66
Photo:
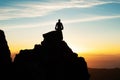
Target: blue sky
90,26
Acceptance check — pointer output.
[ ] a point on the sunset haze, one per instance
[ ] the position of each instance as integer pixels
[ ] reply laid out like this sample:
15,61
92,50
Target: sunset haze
91,27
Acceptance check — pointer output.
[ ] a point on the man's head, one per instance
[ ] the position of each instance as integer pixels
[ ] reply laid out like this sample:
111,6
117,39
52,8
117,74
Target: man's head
58,20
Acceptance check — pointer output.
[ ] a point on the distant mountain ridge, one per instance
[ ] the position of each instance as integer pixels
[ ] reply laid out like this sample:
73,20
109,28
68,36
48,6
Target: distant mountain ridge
104,74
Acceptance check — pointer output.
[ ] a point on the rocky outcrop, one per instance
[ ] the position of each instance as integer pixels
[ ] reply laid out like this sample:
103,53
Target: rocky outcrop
5,57
53,59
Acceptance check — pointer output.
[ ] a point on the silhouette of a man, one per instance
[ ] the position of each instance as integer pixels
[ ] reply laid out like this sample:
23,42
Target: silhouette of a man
59,26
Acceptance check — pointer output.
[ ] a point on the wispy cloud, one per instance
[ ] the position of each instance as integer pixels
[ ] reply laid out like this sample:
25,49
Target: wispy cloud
43,8
30,25
95,18
43,24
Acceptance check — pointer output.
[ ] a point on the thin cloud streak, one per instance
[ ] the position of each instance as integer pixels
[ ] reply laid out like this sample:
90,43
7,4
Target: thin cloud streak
25,26
28,10
90,19
95,18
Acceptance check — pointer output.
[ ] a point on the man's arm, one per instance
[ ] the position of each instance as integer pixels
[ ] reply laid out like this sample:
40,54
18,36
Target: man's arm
56,26
62,26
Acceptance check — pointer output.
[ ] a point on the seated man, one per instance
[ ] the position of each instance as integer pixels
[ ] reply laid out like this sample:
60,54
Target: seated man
59,26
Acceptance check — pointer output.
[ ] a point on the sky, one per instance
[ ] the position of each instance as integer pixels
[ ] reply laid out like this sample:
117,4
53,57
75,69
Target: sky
91,27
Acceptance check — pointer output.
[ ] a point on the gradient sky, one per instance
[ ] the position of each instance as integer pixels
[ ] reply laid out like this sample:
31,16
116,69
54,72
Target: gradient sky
90,26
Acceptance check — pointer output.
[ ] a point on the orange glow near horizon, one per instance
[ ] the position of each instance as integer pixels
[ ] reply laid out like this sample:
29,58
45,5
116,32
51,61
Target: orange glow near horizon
92,52
100,58
108,50
15,49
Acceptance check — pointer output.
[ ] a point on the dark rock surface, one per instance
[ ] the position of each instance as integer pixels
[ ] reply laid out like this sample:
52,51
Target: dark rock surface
53,59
